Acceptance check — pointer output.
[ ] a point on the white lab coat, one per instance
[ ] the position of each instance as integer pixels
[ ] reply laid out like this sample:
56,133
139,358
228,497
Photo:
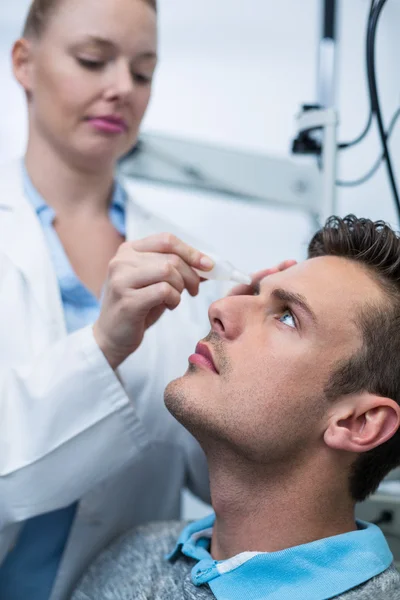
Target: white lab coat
70,427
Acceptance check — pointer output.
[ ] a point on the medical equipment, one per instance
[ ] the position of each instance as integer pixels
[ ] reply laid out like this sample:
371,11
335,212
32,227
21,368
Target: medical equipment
309,142
301,183
224,271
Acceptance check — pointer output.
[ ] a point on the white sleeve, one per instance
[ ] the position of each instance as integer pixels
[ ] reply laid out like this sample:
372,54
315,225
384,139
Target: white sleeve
66,425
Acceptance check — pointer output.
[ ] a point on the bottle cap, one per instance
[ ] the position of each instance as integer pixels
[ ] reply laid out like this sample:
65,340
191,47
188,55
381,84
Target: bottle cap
240,277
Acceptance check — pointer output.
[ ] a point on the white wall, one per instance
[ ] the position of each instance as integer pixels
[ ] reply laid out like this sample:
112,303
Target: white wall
235,72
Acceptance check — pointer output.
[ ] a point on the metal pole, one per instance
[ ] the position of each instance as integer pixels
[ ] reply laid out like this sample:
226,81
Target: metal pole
329,158
327,120
327,54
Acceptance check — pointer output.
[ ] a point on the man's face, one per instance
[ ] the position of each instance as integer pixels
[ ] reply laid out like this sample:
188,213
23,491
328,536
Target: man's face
273,354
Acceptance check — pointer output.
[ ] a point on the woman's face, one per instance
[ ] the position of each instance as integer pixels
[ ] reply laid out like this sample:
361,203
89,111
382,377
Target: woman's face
88,79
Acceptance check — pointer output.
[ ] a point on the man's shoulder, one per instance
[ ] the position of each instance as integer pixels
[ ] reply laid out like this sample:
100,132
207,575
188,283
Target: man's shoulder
385,586
135,566
160,535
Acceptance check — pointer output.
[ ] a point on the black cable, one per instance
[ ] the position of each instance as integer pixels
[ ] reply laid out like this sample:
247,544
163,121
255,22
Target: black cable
375,167
375,98
358,139
367,127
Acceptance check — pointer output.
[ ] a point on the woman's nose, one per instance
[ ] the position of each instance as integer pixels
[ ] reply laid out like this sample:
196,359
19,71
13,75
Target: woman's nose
122,84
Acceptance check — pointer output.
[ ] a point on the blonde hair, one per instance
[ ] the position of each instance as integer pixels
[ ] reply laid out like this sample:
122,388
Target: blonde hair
41,10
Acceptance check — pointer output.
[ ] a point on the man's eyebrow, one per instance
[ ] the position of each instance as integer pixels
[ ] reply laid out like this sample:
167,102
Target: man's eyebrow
292,298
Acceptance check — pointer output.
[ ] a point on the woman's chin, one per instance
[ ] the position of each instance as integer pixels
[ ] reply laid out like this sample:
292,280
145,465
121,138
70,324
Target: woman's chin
100,156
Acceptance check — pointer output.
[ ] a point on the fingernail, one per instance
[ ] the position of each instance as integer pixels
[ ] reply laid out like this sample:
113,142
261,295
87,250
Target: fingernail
206,262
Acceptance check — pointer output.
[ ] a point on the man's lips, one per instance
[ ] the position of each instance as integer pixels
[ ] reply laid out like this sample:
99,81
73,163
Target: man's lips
203,357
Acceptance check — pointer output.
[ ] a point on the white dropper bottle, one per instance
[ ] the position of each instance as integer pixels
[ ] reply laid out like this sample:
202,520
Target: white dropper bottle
223,271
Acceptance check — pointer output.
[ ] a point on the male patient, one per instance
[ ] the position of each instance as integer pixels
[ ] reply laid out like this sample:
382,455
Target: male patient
294,396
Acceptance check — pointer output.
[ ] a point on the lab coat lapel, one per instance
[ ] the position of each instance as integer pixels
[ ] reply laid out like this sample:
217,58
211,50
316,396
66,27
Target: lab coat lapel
23,242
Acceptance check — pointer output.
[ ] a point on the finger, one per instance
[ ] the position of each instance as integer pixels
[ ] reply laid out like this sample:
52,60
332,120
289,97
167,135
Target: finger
168,262
155,296
286,264
152,274
137,278
153,315
167,243
190,278
246,290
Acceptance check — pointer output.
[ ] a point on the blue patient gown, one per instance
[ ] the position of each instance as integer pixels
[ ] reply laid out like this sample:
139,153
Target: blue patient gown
30,569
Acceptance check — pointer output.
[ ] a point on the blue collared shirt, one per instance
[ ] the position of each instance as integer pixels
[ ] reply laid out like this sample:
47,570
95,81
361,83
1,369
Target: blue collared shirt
81,307
321,569
30,569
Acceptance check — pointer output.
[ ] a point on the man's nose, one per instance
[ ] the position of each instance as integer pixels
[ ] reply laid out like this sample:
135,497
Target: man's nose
228,316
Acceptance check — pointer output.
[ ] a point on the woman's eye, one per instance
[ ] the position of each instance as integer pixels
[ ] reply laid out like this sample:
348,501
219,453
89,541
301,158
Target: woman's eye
93,65
141,79
288,319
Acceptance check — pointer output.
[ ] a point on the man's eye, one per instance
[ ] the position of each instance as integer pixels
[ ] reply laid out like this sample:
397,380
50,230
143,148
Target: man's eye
288,319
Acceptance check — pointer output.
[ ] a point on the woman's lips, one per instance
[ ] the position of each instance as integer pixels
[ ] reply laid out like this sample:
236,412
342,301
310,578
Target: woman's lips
203,358
108,124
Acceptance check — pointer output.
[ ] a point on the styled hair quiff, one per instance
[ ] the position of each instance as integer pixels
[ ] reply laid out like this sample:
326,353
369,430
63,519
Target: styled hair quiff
41,10
375,367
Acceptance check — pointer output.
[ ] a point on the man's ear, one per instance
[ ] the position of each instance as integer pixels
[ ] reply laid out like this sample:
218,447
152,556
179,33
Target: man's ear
22,63
362,422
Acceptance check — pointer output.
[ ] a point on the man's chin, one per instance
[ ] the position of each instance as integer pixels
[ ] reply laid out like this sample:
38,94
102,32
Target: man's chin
185,400
180,400
176,386
174,396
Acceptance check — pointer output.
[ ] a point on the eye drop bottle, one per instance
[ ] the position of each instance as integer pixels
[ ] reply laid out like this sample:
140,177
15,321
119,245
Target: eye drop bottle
224,271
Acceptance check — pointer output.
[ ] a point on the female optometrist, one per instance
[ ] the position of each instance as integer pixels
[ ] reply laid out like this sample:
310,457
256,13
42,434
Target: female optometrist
87,449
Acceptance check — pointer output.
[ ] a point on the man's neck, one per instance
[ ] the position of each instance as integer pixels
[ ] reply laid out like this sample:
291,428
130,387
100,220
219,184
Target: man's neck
71,189
257,511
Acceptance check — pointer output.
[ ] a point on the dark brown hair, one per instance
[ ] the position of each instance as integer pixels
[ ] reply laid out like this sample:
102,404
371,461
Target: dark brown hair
41,10
374,368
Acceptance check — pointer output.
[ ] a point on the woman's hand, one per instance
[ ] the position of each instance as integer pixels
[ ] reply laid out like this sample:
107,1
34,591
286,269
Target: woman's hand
144,278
